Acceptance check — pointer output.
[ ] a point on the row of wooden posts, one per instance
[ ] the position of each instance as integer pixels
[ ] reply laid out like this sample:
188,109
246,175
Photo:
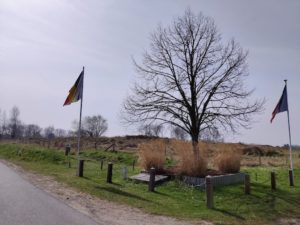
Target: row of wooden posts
151,185
208,182
247,188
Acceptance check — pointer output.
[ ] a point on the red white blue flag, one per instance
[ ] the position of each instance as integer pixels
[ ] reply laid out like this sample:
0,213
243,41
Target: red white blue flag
282,105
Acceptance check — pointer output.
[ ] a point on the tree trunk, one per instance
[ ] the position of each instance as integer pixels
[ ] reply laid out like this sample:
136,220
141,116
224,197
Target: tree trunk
196,150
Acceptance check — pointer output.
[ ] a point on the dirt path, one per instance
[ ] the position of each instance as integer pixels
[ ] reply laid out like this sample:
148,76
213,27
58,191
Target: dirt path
110,212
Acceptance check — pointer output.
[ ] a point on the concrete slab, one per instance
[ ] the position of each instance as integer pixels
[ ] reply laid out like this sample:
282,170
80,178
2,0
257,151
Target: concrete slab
144,177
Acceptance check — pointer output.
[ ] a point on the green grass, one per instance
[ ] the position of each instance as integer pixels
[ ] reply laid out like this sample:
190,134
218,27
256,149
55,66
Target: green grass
173,198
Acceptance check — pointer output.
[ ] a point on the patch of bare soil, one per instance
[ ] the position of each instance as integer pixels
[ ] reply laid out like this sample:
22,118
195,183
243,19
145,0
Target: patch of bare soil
100,210
288,222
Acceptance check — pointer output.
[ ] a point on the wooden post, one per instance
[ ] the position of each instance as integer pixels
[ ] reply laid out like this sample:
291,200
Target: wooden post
151,184
80,168
209,192
101,164
114,146
109,172
291,178
133,165
124,173
67,150
273,181
247,184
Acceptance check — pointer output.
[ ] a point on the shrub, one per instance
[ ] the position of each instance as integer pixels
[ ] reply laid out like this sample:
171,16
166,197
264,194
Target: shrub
187,165
228,159
152,154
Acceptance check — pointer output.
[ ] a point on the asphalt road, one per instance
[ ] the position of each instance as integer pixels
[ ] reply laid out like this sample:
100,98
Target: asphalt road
23,204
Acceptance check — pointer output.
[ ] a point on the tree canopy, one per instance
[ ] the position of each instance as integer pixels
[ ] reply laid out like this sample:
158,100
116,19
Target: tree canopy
191,79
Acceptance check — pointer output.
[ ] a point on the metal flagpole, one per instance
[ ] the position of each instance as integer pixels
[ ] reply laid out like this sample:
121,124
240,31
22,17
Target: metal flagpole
79,128
291,171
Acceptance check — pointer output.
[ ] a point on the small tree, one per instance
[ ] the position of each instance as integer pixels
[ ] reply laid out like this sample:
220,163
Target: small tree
96,126
49,132
4,125
15,126
74,131
1,122
32,131
60,133
178,133
151,130
211,135
191,80
93,126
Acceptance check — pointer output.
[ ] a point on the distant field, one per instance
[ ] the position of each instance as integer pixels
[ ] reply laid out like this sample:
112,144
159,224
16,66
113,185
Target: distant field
173,198
253,155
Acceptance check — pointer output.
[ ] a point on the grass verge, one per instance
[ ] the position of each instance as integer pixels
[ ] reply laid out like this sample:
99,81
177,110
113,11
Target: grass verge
173,198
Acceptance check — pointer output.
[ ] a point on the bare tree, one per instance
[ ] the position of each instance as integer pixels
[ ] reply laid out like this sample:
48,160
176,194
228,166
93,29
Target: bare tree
60,133
32,131
1,125
49,132
191,80
155,130
4,125
178,133
95,126
1,122
212,135
75,127
15,123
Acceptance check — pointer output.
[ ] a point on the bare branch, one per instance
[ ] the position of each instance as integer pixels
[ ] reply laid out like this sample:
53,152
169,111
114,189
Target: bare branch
191,80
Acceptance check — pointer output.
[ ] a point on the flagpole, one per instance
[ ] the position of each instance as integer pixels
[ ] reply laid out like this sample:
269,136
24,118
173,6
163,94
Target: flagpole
291,171
79,128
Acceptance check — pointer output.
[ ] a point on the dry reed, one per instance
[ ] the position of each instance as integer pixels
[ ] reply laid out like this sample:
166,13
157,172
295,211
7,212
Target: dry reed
228,159
187,164
152,154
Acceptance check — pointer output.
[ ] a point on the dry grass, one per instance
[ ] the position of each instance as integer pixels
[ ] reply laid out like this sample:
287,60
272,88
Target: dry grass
253,155
152,154
274,161
187,165
228,159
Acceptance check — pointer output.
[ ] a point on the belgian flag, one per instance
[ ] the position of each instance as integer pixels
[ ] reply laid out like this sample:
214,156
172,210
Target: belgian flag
75,93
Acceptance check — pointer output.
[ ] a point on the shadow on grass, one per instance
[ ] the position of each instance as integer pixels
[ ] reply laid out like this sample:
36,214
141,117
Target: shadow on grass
283,195
162,194
285,198
97,181
123,193
227,213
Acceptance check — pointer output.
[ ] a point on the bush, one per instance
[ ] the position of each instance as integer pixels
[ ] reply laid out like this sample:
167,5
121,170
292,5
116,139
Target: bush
228,159
187,165
152,154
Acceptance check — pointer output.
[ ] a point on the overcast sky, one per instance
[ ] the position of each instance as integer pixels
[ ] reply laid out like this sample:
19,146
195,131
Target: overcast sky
45,43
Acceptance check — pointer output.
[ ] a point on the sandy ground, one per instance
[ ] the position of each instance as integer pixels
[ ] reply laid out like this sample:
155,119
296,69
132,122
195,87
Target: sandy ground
100,210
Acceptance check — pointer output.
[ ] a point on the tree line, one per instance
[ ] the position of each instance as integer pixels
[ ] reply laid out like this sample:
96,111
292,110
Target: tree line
11,127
